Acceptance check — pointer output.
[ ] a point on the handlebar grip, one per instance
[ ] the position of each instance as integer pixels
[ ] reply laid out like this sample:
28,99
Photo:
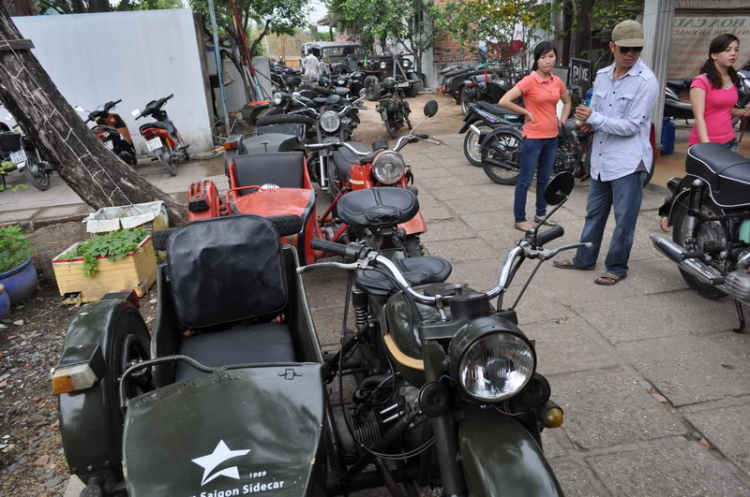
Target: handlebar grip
287,225
423,137
172,95
328,247
117,102
551,234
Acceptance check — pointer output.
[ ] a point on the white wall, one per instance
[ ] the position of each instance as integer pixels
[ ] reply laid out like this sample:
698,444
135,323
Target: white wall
133,56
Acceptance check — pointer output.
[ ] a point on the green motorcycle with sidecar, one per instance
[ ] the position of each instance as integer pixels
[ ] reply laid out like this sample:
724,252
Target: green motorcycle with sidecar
231,393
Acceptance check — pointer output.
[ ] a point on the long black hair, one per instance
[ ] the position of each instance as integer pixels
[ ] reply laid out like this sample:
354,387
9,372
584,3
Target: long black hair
541,49
718,45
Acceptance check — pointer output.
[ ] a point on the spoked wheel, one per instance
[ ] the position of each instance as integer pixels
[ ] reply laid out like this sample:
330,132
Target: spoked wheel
390,127
334,182
166,161
36,173
501,158
465,100
134,350
471,146
709,232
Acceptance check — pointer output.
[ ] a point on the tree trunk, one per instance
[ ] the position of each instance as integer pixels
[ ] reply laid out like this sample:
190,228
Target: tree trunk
99,177
582,37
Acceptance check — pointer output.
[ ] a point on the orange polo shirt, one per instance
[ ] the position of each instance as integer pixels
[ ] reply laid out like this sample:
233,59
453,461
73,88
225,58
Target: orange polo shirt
540,97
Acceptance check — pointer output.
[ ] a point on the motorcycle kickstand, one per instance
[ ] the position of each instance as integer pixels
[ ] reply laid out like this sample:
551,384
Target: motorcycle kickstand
741,316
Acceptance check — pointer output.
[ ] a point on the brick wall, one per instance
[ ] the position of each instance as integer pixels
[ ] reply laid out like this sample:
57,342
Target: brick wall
447,50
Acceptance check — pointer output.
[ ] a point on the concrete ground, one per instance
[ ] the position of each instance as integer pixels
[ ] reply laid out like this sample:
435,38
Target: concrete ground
654,383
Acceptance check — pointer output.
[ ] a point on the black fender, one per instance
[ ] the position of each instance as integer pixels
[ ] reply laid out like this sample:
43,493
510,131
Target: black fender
501,457
91,421
471,118
682,190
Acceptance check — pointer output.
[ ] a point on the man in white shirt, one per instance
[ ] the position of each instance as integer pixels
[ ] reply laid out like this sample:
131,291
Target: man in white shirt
311,65
620,115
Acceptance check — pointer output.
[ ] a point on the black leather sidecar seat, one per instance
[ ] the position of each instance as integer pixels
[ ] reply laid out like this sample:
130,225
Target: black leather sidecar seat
284,169
378,207
228,274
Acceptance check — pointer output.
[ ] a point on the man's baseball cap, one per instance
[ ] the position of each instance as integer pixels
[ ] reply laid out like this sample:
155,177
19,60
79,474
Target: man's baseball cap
628,34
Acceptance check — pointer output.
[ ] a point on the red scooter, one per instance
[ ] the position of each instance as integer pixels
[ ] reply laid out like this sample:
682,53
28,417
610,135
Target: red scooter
162,138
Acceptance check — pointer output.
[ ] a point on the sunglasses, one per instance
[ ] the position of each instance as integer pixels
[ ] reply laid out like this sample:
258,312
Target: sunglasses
625,50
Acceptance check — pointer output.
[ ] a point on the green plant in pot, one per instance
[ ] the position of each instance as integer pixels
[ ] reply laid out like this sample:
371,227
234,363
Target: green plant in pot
17,272
114,246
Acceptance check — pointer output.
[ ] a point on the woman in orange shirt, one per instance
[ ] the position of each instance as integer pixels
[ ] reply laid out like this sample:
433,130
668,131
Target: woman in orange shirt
541,90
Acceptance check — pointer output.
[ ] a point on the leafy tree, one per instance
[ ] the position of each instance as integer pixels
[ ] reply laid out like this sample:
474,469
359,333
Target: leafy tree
87,6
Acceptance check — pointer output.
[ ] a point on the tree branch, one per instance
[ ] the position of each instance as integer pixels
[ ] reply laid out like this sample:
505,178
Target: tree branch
260,37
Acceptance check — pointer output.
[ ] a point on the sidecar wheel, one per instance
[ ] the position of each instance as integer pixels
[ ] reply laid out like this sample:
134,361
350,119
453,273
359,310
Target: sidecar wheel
705,232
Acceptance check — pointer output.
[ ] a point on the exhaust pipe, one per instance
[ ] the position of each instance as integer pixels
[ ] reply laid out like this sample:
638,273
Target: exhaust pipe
694,267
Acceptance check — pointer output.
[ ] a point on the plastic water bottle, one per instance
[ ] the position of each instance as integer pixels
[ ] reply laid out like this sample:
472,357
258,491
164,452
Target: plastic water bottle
589,95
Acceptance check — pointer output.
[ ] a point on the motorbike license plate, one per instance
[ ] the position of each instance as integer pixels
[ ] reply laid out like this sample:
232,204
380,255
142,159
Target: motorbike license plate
109,144
154,143
402,85
18,156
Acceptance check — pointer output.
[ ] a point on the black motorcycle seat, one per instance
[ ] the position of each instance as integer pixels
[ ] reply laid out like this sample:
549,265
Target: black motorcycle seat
305,100
380,144
320,100
679,83
416,270
342,91
155,124
267,342
344,159
284,169
727,173
378,207
494,109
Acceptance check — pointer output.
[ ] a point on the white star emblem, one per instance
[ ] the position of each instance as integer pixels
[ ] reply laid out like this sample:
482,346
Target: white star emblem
220,454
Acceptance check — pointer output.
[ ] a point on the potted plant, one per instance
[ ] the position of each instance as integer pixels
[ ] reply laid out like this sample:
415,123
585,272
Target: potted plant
17,272
119,260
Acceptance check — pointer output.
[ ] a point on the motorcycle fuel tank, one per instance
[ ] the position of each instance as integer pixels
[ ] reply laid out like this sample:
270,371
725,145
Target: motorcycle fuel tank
250,431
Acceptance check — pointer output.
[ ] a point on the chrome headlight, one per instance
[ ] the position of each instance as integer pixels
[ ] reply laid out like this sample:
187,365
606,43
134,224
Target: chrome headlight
389,167
330,121
491,365
383,65
277,98
406,63
342,81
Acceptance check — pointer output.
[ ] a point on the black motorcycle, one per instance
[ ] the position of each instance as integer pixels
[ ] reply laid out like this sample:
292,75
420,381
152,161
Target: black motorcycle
482,119
112,131
393,108
487,87
709,212
24,157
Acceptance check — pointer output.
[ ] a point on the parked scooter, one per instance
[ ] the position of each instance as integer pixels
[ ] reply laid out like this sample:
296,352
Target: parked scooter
24,156
448,377
709,212
162,137
485,118
112,131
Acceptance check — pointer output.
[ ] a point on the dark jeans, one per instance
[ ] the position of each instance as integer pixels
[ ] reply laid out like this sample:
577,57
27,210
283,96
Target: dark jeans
625,194
537,155
732,145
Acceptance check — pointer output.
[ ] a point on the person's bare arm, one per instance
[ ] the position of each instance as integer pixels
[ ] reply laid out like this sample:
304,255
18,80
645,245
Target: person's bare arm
507,103
566,108
698,102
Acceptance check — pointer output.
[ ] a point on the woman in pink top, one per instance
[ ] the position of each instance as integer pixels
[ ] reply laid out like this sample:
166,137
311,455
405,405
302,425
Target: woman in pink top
541,90
713,95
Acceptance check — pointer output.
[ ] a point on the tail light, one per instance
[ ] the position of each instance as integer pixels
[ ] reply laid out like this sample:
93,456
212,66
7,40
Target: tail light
231,145
471,84
100,134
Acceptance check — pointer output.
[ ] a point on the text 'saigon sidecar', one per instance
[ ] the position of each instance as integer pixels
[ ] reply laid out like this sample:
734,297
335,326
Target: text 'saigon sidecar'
178,428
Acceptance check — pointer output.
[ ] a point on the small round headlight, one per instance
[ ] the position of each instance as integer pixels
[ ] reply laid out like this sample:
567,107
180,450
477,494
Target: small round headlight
277,98
383,65
406,63
493,365
388,167
330,121
342,81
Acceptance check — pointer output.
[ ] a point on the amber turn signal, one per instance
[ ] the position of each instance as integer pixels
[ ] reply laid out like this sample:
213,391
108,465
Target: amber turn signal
73,378
553,418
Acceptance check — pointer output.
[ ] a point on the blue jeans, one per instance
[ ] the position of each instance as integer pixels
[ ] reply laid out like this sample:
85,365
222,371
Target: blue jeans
625,194
537,155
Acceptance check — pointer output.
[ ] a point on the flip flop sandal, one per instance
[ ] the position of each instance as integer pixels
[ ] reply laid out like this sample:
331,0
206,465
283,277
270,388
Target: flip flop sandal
569,264
548,222
664,225
609,279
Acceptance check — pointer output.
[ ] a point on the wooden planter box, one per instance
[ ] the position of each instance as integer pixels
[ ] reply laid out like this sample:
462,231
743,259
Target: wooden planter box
137,271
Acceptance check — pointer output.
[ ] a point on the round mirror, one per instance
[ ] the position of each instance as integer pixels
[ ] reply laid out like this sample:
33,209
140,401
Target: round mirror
559,188
430,108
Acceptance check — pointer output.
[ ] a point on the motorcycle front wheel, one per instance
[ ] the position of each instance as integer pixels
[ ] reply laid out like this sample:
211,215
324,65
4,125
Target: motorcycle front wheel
390,127
465,100
704,232
36,173
166,161
471,146
501,158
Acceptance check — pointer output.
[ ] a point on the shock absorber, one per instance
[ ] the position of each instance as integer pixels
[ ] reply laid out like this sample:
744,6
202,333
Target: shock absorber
695,199
359,302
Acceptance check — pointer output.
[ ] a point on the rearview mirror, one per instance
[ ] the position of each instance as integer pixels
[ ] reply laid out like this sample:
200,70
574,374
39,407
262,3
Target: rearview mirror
430,108
559,188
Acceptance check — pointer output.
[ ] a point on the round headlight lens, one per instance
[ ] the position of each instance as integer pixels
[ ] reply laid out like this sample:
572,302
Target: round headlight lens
389,167
342,81
277,98
330,121
406,63
383,65
496,367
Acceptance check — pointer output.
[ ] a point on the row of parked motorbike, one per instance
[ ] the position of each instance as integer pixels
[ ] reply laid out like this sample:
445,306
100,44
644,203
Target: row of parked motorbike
231,393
